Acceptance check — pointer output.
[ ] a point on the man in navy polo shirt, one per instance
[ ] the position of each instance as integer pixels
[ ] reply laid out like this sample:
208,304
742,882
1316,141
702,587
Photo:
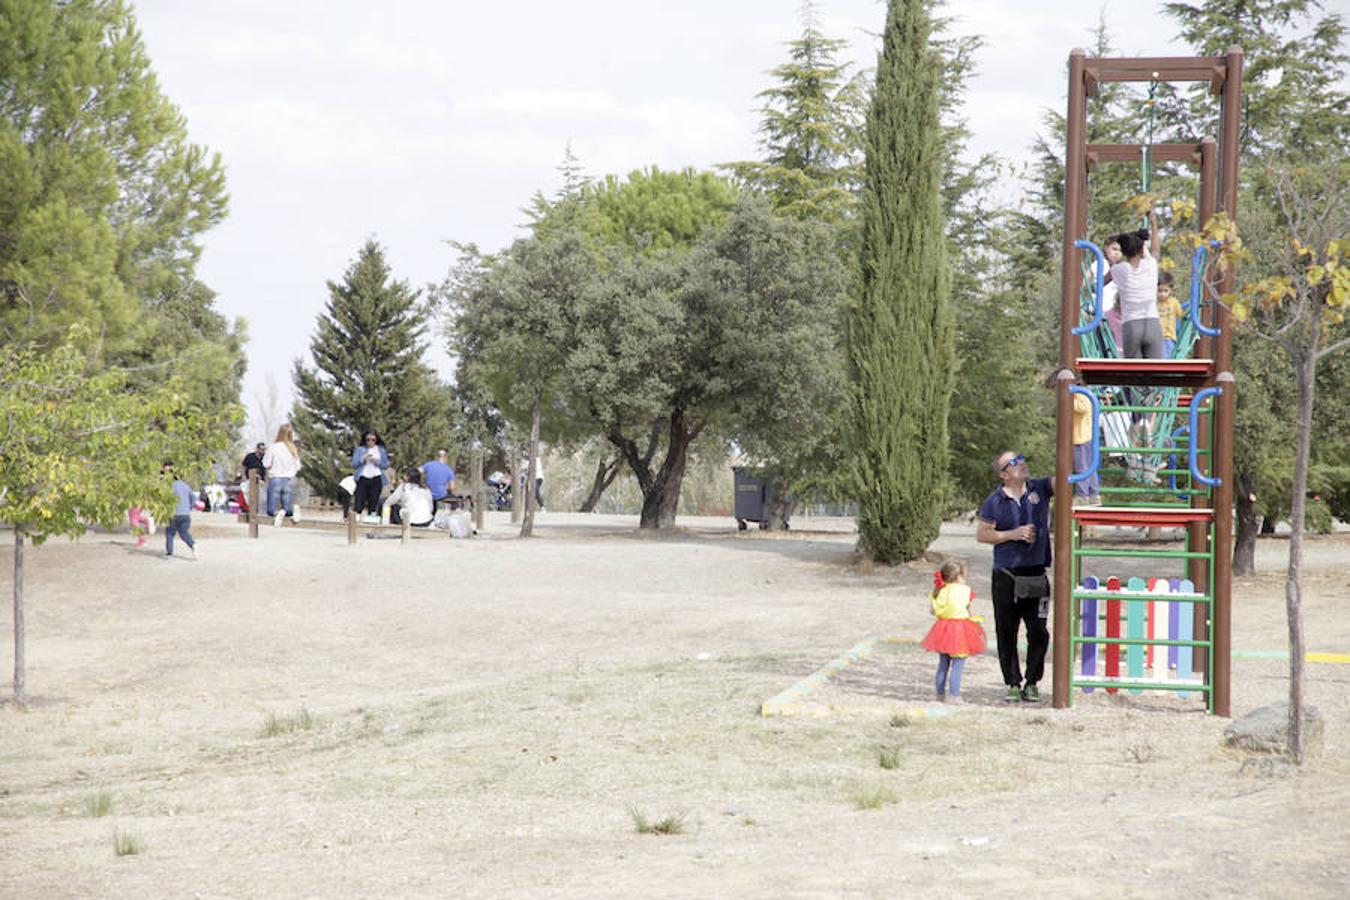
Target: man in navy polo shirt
1016,520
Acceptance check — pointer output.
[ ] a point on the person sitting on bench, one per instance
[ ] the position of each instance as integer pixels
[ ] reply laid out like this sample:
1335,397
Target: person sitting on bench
440,477
414,500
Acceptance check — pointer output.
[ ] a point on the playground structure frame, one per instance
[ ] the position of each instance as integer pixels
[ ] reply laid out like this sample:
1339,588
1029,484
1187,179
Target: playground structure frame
1218,164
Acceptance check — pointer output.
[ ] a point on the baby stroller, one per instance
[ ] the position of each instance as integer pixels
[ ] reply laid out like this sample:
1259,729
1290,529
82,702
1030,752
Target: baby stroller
499,491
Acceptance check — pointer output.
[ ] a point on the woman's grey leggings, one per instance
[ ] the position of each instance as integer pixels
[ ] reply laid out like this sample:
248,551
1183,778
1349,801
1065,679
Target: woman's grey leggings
1143,339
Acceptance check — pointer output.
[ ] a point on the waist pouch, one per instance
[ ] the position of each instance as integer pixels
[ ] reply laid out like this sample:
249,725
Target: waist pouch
1029,587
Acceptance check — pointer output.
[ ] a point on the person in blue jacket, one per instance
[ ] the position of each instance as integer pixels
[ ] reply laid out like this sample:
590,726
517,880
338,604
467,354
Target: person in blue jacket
369,461
182,514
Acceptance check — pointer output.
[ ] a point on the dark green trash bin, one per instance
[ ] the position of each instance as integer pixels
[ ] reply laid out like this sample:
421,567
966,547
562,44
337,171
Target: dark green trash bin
754,490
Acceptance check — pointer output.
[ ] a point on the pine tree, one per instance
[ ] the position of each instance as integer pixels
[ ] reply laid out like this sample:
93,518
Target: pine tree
899,328
103,205
1294,103
810,131
368,374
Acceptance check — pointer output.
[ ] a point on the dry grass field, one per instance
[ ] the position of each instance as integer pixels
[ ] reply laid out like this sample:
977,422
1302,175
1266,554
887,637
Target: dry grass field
294,717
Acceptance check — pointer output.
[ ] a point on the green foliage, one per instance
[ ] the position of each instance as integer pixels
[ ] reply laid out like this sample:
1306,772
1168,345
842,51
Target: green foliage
899,335
1002,288
104,203
733,337
1296,120
513,322
652,312
1294,101
653,210
368,374
80,447
104,196
810,132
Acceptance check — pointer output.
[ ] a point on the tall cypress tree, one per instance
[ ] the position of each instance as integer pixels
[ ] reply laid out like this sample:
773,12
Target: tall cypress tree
899,327
368,373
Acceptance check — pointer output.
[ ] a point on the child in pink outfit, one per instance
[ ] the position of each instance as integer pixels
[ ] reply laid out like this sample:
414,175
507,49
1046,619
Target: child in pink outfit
142,523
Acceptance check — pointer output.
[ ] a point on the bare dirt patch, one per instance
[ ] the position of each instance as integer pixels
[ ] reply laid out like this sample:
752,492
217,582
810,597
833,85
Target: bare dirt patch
482,718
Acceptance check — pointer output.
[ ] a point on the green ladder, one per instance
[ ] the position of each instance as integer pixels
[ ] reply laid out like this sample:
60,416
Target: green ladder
1156,624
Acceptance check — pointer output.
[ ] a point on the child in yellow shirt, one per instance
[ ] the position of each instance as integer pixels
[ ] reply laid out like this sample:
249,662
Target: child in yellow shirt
956,634
1169,313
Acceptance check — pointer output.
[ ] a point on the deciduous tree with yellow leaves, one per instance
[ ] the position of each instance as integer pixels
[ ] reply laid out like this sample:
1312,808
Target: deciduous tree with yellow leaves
80,446
1299,305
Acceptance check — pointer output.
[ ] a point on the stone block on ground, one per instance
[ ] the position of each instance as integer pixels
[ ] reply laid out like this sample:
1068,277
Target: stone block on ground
1266,729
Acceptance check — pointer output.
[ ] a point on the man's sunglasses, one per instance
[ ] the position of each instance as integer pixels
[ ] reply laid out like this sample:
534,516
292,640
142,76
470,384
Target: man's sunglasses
1019,458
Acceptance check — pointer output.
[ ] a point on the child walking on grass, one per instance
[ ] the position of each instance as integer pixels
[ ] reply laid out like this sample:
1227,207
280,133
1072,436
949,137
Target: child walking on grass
957,633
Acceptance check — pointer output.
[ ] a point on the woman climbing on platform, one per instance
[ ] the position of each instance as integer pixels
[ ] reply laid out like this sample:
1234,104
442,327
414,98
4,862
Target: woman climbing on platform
1136,279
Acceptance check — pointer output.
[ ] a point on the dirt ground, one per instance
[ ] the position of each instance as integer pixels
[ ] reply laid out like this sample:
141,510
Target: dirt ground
294,717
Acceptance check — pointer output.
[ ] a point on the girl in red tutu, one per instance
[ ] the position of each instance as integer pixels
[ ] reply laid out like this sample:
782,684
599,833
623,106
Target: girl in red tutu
957,633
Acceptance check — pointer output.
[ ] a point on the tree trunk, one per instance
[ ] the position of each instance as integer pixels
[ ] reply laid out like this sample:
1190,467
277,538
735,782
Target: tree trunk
517,504
1304,369
20,692
660,504
1244,547
661,490
778,508
477,489
527,526
605,473
1267,524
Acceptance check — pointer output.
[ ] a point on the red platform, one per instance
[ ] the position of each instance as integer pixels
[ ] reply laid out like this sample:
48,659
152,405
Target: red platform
1146,372
1174,517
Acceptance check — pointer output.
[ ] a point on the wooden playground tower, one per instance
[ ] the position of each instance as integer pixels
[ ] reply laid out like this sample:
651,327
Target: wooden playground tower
1208,517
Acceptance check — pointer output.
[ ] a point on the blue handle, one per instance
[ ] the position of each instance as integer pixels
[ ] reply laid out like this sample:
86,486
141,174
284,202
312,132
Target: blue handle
1101,283
1096,432
1193,451
1197,281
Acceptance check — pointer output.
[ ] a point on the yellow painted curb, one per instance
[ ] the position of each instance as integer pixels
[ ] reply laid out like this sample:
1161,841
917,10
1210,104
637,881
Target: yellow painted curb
1327,657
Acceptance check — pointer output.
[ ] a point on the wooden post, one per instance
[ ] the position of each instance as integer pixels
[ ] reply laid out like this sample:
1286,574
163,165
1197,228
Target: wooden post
477,490
20,692
253,503
1075,185
351,524
1226,407
403,536
1198,533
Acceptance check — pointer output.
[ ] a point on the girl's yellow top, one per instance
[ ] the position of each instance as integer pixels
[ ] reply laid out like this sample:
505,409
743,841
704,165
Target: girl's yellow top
952,602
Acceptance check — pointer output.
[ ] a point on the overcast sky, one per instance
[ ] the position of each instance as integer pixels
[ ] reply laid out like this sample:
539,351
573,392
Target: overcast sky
418,122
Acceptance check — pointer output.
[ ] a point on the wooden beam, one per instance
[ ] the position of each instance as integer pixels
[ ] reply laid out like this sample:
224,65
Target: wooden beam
1159,68
1110,153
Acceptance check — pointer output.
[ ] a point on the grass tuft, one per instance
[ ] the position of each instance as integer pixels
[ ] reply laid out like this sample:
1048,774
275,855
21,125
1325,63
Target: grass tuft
1142,752
671,824
125,843
274,727
900,720
889,757
98,805
872,796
